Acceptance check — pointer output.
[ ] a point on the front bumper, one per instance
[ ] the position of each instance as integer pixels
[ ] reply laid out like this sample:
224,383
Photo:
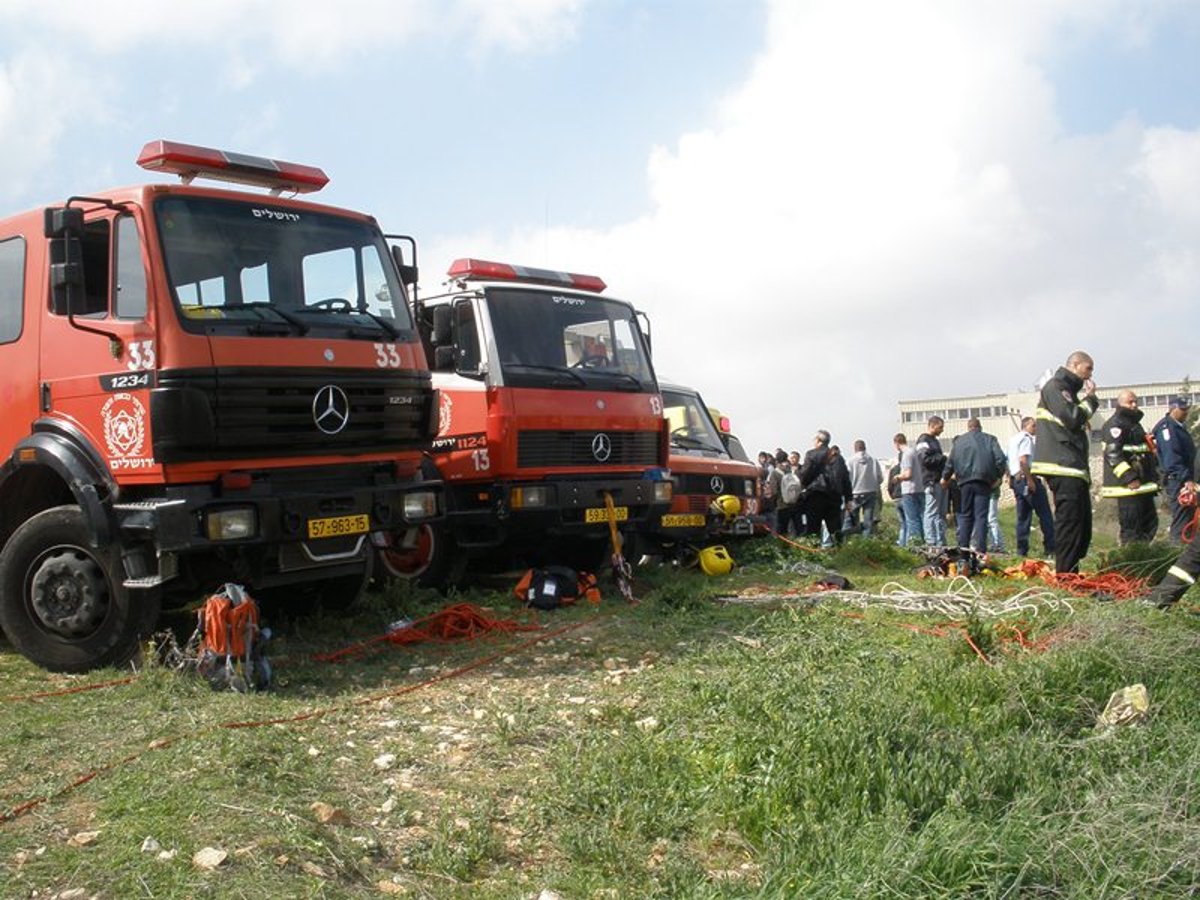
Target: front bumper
169,523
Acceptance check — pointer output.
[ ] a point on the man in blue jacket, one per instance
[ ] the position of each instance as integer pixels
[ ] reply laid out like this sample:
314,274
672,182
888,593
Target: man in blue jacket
1177,460
977,463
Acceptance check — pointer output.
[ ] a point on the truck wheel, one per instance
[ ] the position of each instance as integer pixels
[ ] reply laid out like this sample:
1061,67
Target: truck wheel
62,603
426,562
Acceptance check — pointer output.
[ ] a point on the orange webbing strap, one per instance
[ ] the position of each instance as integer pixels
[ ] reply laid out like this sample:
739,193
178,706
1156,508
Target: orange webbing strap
589,588
215,618
229,630
622,571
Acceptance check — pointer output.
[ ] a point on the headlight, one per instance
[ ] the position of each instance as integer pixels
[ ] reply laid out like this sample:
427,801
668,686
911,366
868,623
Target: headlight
420,505
230,524
529,497
662,492
748,488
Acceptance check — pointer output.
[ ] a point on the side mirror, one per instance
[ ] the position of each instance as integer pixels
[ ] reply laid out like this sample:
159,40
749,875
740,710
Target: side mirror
408,274
66,275
442,320
62,222
643,321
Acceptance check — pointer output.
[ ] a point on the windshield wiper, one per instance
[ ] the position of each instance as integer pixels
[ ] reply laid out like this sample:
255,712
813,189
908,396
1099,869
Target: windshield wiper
616,373
256,306
557,370
683,440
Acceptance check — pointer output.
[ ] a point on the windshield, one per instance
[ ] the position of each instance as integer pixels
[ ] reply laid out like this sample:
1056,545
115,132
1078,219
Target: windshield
692,428
276,270
542,336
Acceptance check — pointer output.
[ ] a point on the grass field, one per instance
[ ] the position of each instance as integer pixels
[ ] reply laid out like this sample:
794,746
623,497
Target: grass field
779,745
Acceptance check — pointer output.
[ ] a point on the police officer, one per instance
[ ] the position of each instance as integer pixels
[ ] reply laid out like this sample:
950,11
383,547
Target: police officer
1067,402
1130,471
1177,458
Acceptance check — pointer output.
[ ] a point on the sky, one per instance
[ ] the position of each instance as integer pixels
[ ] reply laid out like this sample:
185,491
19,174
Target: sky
823,207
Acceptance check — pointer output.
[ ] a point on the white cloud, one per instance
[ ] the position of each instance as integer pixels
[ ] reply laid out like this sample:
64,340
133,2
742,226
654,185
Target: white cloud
888,208
299,33
41,96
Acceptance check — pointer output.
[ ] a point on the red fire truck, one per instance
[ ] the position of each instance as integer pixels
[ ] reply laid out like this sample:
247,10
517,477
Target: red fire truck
548,408
201,385
704,472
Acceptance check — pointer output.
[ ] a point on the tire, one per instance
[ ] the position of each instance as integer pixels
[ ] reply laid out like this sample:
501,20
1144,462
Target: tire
427,564
62,603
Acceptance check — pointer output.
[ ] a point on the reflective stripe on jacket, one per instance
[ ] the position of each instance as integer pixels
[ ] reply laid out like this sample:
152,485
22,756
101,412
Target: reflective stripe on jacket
1127,456
1062,444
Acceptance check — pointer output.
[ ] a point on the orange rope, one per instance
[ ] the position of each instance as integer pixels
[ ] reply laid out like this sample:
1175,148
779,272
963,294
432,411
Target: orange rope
795,543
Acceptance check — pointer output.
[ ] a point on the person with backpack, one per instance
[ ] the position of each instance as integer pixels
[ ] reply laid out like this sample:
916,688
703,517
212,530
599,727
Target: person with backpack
826,488
931,463
790,511
865,479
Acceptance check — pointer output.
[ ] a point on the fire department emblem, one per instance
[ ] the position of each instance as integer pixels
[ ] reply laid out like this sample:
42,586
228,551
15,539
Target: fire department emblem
445,412
124,425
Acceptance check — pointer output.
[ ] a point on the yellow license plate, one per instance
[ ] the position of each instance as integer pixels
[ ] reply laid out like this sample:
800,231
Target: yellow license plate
683,520
336,526
601,515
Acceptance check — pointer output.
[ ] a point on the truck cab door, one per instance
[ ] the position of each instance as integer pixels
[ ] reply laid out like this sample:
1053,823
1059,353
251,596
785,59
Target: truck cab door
97,371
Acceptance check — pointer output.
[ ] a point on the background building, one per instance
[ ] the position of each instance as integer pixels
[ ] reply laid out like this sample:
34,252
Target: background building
1001,414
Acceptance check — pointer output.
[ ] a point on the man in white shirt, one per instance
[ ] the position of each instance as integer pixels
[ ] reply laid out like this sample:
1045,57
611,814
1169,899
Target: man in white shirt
1029,490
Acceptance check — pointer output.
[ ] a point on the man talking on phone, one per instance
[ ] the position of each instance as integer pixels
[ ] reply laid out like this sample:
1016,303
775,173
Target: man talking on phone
1065,407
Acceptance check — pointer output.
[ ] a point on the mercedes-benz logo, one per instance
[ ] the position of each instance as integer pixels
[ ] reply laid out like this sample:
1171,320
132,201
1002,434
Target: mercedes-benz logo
717,485
602,447
331,409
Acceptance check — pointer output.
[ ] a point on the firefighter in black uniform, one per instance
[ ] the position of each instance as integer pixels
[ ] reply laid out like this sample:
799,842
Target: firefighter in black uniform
1060,456
1130,471
1182,575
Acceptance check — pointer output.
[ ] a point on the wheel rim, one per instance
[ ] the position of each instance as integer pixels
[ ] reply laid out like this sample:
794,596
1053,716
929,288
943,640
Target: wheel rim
409,562
68,592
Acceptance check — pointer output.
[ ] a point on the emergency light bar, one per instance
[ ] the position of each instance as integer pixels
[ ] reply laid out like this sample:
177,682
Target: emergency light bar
187,161
482,269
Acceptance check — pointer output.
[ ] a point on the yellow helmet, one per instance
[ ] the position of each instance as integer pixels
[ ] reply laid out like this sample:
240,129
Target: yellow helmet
715,561
727,506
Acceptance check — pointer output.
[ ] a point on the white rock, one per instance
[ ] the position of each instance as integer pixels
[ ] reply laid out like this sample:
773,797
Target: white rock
150,845
209,858
385,761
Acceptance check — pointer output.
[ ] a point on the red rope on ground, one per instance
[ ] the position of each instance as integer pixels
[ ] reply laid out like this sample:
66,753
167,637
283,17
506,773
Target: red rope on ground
1117,585
42,695
463,621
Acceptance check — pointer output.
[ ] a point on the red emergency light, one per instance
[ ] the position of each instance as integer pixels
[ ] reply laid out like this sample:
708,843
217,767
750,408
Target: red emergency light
482,269
187,161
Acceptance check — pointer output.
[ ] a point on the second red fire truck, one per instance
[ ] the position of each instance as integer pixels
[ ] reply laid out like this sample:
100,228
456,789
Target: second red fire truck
549,426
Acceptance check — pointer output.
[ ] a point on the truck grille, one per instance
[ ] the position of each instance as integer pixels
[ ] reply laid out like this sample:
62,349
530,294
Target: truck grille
575,448
270,412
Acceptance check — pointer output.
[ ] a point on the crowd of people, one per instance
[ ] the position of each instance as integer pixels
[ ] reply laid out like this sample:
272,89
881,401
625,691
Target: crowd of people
1045,465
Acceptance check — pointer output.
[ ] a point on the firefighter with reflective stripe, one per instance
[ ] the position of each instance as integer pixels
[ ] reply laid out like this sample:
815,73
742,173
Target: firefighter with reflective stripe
1066,405
1130,471
1181,576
